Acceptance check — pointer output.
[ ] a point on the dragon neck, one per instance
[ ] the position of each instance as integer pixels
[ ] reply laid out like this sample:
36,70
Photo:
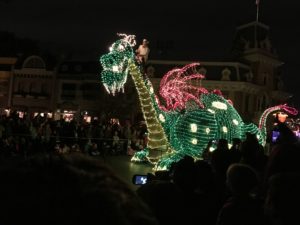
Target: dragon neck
159,108
264,117
156,135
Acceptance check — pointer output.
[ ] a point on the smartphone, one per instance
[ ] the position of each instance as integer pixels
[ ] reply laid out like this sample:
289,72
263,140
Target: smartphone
139,179
275,135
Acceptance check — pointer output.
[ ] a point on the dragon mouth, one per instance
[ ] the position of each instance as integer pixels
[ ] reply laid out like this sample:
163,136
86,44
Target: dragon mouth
114,79
114,87
115,64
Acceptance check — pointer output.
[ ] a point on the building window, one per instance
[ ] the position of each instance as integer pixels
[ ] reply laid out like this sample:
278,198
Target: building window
225,94
226,74
68,91
64,68
265,79
78,68
202,71
33,89
264,103
44,88
247,97
21,87
34,62
90,91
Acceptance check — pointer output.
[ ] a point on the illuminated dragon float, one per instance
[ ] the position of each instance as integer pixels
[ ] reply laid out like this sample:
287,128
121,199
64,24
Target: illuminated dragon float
189,117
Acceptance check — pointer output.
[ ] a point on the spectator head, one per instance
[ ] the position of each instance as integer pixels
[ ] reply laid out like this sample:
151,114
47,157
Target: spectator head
286,136
236,142
67,190
222,144
183,172
283,198
205,176
241,179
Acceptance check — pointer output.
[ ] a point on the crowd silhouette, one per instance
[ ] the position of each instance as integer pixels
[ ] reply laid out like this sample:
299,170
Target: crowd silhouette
23,137
237,186
42,183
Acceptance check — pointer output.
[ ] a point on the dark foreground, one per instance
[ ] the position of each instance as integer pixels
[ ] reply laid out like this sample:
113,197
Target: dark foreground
125,169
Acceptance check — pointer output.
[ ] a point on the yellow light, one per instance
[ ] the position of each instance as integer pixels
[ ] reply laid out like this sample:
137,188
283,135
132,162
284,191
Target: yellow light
115,68
194,141
151,90
162,118
193,127
211,111
207,130
235,122
219,105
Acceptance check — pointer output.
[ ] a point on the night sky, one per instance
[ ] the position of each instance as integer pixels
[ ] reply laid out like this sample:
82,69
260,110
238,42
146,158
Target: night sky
192,30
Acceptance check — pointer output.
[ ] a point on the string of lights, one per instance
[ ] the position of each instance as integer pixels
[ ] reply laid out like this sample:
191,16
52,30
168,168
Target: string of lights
190,117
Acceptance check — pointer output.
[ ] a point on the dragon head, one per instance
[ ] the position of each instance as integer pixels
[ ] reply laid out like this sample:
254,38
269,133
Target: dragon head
115,63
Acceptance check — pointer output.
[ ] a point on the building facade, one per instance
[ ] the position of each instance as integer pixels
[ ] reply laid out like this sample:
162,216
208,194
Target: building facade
6,74
27,86
73,89
32,86
251,80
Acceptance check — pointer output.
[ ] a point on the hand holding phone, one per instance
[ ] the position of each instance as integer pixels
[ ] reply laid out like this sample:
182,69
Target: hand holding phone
275,135
139,179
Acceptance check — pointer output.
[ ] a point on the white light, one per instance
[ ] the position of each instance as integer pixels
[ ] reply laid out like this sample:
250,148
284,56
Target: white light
229,146
219,105
121,48
115,68
193,127
110,49
207,130
162,118
257,136
144,180
211,111
224,129
211,149
194,141
159,168
235,122
151,90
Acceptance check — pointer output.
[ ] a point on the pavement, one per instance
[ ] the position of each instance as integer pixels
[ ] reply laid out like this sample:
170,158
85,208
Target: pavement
126,169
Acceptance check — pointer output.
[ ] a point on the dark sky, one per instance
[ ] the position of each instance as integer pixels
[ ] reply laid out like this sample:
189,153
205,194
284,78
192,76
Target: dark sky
189,30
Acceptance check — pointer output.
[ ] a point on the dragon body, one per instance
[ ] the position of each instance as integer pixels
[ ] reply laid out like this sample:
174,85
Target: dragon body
186,116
